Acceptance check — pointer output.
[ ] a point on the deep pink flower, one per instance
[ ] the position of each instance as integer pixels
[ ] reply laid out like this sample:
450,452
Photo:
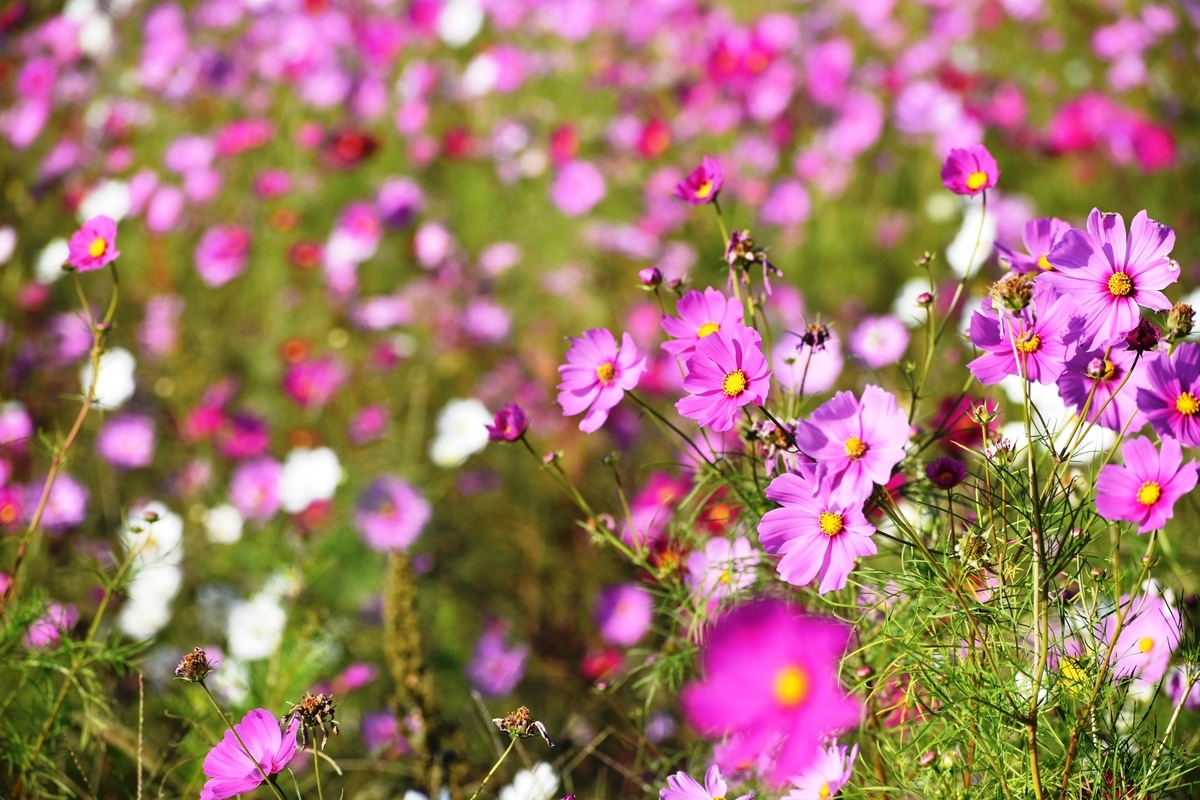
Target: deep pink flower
855,443
1151,632
242,436
700,315
970,170
94,245
368,425
770,682
1171,400
703,184
652,508
1146,488
230,770
597,375
390,514
682,786
818,537
509,424
1110,274
1039,237
726,371
1032,343
946,472
313,382
221,254
1089,374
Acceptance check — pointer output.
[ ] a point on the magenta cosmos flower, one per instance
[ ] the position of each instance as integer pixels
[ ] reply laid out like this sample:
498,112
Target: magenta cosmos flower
1109,384
231,772
390,514
1146,488
855,443
496,669
1039,237
1110,273
1031,344
624,613
94,245
970,170
770,681
509,424
703,184
879,341
1150,634
221,254
726,371
701,314
818,537
597,375
682,786
1171,401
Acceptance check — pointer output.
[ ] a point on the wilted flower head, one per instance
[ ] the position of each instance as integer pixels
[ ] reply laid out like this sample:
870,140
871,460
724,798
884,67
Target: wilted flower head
1180,322
194,667
313,711
521,725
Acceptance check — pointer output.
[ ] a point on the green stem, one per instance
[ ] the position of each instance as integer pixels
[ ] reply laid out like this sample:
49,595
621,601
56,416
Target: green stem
495,767
317,767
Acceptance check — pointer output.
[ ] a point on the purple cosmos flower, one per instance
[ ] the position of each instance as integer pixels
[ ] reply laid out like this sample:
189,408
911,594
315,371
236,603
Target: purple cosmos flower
254,488
946,472
381,734
1175,685
67,505
818,536
700,315
623,613
682,786
722,568
390,514
1090,374
879,341
496,669
782,666
46,630
597,375
509,424
94,245
1039,237
1031,343
1150,634
827,776
243,436
1171,401
726,371
221,254
703,184
855,443
1110,274
127,441
229,769
1146,488
970,170
577,188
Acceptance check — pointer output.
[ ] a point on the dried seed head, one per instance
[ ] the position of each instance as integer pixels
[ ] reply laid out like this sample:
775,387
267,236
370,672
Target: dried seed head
1013,291
1180,321
521,725
313,711
194,666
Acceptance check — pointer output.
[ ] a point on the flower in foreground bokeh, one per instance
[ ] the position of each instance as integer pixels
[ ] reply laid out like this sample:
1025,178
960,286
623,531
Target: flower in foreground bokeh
578,187
509,424
597,375
682,786
879,341
1110,274
93,245
1146,489
700,315
127,441
703,184
770,678
624,613
818,536
1171,400
970,170
726,371
827,776
390,514
231,771
722,568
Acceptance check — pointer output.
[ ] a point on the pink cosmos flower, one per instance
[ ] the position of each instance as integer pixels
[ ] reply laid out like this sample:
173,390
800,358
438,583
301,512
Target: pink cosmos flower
726,371
597,375
624,613
496,668
700,315
509,424
682,786
1031,343
1150,634
230,770
1171,401
46,630
577,188
127,441
826,777
770,681
313,382
818,536
94,245
1039,237
703,184
722,568
221,254
970,170
1110,274
1146,488
879,341
652,508
254,488
390,514
855,443
368,425
1107,381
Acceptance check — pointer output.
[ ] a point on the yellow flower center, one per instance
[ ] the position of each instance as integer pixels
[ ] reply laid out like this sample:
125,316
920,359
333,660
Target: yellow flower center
1074,677
1149,493
1145,644
791,686
726,577
605,372
1120,285
734,383
1187,404
831,523
1110,369
707,328
98,247
976,180
704,190
824,791
855,447
1044,263
1029,342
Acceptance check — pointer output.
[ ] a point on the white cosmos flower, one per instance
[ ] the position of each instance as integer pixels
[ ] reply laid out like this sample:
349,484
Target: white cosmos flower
115,384
540,783
461,431
308,476
8,243
958,254
223,524
255,627
49,266
111,198
155,542
460,22
232,681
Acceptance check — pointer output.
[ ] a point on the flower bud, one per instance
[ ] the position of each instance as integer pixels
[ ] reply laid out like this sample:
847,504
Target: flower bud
1142,338
651,277
924,299
1180,321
